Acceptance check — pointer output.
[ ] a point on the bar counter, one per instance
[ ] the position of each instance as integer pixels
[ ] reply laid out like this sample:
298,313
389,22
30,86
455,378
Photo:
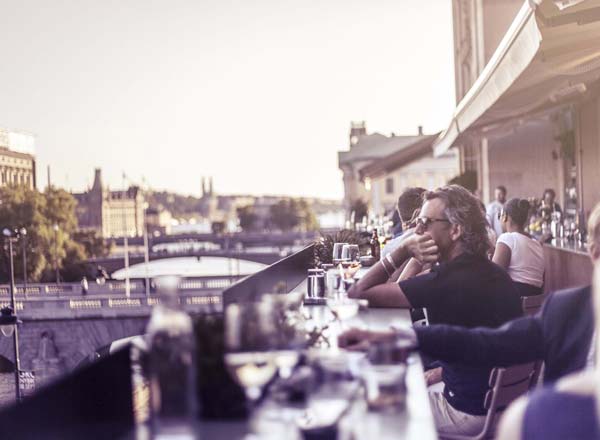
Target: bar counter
415,422
567,264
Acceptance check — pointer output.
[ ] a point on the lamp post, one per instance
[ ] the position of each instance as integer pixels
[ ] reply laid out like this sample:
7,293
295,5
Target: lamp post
55,227
146,252
23,235
8,317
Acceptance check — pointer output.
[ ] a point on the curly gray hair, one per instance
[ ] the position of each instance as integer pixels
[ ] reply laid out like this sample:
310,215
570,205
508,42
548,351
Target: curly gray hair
464,209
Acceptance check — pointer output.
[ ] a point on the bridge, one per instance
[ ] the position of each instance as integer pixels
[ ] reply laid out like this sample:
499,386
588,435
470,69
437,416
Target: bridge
114,263
226,241
62,326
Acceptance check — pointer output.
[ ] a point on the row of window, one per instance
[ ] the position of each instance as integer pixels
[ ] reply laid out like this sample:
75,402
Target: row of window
6,178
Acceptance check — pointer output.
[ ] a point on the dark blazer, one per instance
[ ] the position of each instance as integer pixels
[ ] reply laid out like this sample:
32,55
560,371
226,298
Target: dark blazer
560,334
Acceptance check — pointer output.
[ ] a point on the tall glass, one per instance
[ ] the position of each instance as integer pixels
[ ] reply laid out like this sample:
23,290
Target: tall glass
350,252
337,252
289,337
249,333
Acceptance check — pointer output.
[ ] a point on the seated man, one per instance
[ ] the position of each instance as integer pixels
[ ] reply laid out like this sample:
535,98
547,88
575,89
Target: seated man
560,334
464,289
409,204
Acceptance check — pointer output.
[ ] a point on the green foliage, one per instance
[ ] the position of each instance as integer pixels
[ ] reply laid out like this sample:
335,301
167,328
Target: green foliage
177,205
290,214
93,244
360,209
567,144
247,217
323,250
467,180
52,237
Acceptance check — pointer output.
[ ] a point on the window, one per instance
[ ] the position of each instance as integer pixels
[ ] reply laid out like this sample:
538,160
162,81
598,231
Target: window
389,185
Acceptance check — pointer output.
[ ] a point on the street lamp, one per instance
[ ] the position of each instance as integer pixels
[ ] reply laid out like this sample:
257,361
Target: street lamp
23,235
8,317
55,227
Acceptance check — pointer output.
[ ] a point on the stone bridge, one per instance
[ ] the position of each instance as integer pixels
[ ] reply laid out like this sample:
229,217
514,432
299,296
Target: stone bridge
60,330
112,264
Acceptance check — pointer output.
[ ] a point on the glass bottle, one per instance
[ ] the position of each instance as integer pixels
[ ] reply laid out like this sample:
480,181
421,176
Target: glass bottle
171,365
375,245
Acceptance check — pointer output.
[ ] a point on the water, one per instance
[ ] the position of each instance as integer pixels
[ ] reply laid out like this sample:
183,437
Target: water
191,267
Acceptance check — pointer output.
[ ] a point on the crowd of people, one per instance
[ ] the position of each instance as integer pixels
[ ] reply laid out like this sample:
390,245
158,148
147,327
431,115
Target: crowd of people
468,268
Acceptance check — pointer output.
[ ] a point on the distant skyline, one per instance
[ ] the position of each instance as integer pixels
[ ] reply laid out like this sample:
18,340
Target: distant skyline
259,95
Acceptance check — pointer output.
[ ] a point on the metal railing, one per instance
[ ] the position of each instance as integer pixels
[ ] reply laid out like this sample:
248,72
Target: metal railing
115,287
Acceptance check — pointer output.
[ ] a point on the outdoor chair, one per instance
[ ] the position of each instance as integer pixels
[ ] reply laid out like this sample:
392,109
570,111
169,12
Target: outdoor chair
506,384
532,304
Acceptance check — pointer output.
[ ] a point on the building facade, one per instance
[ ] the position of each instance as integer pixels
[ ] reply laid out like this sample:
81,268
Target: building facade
17,159
111,213
364,150
532,118
553,145
378,168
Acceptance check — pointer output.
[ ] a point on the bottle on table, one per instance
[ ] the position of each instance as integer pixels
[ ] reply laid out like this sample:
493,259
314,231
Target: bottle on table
375,245
171,366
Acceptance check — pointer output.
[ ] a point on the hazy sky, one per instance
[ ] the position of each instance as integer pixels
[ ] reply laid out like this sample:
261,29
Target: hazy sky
257,93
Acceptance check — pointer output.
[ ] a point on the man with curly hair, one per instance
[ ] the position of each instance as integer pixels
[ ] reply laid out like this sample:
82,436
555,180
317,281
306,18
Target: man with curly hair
464,288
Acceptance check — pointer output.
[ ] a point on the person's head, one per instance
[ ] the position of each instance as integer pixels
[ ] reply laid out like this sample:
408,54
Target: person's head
455,221
593,234
409,204
549,196
515,214
500,194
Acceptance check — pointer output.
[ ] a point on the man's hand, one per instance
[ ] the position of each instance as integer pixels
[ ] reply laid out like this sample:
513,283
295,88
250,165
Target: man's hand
433,376
357,339
422,247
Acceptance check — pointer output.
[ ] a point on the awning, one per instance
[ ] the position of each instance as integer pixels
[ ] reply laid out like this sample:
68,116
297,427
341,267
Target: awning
403,156
549,57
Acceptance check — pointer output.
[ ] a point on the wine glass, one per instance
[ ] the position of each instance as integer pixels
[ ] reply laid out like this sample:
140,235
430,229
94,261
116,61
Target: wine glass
289,335
337,252
350,252
249,334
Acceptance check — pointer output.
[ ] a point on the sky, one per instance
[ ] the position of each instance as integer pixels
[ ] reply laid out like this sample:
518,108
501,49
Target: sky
258,94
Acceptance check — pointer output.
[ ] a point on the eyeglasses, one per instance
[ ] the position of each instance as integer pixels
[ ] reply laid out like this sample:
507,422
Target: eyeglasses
426,221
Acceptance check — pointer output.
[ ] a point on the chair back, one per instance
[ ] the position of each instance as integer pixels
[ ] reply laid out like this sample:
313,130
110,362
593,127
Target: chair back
532,304
506,384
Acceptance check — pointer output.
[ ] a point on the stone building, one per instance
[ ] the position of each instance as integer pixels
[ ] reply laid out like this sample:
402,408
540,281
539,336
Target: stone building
17,160
528,98
373,174
413,165
111,213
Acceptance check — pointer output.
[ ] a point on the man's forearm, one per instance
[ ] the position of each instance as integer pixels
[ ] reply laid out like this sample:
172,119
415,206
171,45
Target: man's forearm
516,342
380,273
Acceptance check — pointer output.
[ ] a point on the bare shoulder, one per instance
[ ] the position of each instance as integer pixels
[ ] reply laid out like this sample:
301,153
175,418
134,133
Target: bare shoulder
583,383
511,423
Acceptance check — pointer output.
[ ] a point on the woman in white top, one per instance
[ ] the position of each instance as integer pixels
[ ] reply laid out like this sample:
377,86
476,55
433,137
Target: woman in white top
518,253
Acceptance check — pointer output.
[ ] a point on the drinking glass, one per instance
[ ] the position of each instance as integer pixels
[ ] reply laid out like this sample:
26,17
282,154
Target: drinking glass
350,252
337,252
249,333
289,333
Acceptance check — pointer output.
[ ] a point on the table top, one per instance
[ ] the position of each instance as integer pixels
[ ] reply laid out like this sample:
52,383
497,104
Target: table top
414,422
568,246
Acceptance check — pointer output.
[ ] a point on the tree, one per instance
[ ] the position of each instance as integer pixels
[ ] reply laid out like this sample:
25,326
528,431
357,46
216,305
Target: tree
24,208
51,224
247,217
468,180
360,209
94,245
290,214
